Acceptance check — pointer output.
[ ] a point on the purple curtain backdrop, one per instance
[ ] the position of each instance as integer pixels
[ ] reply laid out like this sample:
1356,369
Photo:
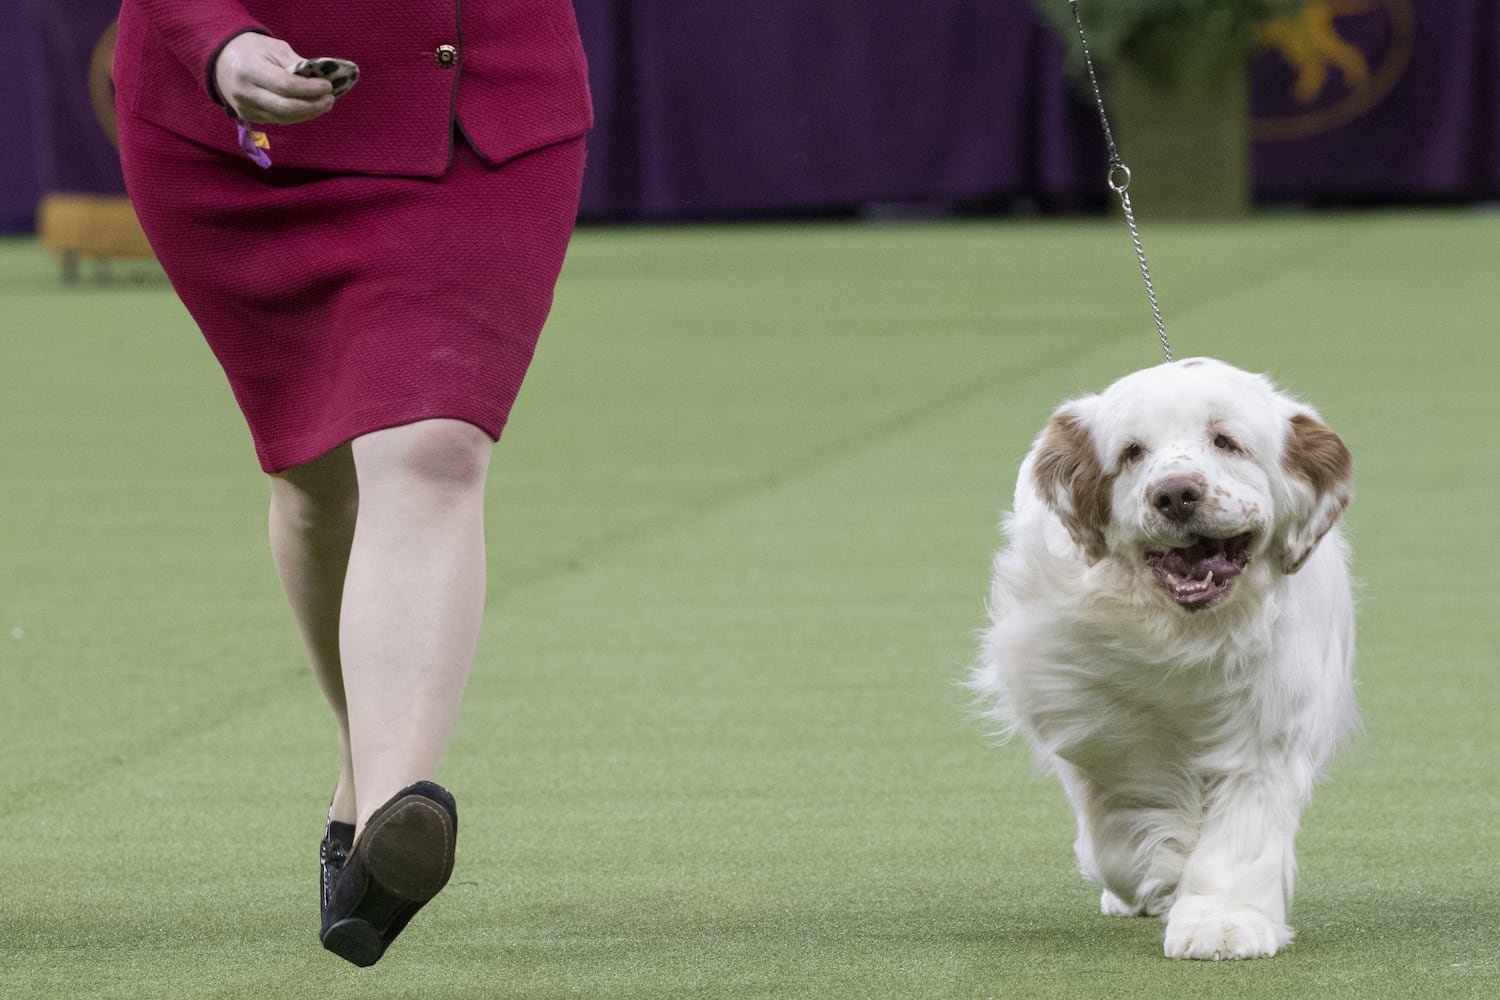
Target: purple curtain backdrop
20,181
787,105
716,109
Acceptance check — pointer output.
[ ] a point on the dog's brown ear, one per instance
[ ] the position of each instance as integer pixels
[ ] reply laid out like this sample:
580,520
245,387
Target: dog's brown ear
1316,458
1071,481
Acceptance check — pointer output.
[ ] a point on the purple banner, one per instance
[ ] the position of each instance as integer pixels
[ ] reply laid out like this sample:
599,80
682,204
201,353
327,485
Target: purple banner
65,60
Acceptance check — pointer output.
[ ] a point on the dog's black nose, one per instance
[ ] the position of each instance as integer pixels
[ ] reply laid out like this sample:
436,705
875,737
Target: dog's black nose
1177,498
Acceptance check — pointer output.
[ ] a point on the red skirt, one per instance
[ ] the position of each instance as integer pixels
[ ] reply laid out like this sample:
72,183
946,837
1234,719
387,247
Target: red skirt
343,304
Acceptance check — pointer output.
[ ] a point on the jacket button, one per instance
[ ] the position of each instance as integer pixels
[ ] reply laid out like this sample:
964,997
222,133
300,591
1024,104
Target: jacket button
446,55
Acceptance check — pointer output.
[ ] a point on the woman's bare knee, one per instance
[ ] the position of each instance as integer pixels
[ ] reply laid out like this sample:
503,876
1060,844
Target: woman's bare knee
450,455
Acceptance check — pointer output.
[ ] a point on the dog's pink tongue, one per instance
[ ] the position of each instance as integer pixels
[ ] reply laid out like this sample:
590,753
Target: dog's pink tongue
1196,562
1220,565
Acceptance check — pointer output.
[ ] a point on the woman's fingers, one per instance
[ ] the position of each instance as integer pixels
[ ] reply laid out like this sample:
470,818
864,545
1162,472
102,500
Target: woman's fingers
254,76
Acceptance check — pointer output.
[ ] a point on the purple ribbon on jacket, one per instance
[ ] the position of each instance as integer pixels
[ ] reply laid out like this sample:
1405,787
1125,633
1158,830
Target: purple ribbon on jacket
256,153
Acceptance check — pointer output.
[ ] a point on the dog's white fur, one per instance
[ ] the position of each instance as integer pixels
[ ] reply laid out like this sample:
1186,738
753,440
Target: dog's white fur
1188,738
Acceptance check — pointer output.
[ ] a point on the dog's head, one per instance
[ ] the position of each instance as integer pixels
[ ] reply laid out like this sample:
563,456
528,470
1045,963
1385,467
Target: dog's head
1189,471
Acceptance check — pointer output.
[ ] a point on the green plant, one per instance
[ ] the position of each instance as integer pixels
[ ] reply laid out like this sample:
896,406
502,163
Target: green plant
1157,37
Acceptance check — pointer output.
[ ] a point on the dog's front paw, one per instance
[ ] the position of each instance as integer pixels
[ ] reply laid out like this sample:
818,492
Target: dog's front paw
1200,928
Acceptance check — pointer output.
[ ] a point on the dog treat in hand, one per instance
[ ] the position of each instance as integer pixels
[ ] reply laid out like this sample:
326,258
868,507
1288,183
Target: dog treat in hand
342,73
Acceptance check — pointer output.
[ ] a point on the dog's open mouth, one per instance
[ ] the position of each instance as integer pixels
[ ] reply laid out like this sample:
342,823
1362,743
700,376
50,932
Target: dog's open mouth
1201,574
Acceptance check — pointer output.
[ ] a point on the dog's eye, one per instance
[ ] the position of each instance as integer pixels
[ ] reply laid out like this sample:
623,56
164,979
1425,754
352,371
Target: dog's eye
1132,452
1225,443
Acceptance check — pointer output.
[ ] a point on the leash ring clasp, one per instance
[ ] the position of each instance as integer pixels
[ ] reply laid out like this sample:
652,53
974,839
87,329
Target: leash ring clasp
1119,177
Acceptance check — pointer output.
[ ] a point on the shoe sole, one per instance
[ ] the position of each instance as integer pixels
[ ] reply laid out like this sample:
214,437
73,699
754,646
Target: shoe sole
409,848
408,851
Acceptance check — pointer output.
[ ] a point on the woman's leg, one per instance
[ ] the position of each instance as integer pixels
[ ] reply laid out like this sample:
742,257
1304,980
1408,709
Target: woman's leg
313,513
413,597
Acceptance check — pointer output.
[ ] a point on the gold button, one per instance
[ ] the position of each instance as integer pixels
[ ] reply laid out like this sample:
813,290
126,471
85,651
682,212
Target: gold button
447,55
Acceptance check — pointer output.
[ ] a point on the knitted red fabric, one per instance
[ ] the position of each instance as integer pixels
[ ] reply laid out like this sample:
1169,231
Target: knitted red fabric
518,80
381,271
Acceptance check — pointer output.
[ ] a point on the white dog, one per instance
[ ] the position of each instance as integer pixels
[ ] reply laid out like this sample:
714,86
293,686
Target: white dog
1172,627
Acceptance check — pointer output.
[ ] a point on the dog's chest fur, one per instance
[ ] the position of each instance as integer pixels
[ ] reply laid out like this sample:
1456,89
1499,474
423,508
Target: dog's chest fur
1116,698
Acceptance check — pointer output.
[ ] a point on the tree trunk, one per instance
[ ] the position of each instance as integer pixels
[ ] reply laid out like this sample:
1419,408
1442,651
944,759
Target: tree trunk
1188,144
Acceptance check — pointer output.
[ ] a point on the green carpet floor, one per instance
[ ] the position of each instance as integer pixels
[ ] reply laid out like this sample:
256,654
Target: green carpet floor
740,530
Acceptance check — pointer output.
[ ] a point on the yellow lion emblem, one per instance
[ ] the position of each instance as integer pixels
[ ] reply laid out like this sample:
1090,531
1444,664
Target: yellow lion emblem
1311,45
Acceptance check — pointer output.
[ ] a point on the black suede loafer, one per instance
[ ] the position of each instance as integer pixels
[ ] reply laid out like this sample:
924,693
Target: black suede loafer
402,859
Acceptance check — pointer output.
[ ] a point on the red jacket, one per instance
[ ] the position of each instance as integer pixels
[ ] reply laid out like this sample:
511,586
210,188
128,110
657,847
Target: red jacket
519,81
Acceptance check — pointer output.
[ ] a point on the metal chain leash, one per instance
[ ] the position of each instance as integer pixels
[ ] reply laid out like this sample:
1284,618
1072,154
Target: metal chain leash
1119,182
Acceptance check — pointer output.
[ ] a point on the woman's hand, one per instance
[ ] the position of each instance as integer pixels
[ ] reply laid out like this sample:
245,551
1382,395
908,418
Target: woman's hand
254,76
